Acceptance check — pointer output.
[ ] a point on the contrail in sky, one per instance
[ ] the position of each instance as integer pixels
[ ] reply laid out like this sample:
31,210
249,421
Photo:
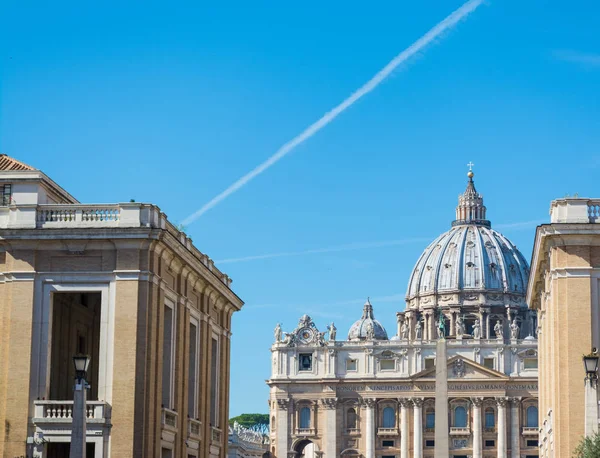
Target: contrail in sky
365,245
311,130
332,249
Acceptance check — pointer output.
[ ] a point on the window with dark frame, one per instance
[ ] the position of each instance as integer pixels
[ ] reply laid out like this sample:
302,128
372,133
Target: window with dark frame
490,443
533,443
429,443
5,194
305,362
387,443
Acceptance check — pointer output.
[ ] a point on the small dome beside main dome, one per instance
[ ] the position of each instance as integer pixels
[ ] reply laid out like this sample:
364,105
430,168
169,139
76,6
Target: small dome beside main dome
470,258
367,328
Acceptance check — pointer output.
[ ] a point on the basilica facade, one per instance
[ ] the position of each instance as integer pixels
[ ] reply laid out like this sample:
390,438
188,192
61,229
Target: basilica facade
366,394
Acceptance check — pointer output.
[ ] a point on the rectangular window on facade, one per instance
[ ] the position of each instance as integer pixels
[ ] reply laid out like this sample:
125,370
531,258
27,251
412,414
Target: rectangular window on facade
489,443
530,363
387,443
193,372
532,443
305,362
387,364
429,363
167,375
214,383
351,365
429,443
166,453
5,194
488,362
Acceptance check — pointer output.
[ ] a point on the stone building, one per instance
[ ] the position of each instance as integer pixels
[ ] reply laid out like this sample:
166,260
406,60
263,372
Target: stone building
246,443
120,283
367,395
563,289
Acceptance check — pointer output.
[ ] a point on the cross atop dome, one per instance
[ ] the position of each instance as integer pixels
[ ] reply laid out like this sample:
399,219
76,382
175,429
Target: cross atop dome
470,209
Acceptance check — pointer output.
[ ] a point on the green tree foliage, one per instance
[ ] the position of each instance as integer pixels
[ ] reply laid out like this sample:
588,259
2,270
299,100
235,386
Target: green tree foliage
589,447
258,422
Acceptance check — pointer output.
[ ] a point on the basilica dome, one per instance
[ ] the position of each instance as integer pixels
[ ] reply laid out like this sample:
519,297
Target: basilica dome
367,328
471,263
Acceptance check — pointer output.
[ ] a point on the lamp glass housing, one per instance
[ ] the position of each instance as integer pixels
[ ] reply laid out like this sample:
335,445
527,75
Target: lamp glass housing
81,363
591,364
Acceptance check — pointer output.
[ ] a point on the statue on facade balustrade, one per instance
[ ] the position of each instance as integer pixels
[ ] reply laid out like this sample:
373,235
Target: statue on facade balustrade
476,330
498,330
514,329
278,333
460,326
332,332
418,331
404,331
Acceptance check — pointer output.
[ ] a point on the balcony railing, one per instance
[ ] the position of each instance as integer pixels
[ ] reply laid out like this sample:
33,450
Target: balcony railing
387,431
194,428
216,436
62,412
77,216
352,431
454,431
169,419
490,429
530,430
305,431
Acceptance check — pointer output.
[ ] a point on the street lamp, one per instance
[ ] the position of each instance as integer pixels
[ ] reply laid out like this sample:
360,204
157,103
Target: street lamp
81,363
590,364
78,429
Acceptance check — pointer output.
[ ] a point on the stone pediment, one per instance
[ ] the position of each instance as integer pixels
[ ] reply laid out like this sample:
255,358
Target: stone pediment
460,368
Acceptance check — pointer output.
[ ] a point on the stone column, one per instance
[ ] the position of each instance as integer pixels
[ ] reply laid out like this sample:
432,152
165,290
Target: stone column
515,434
404,428
501,427
452,323
442,441
281,431
477,430
485,325
425,327
369,404
418,427
330,435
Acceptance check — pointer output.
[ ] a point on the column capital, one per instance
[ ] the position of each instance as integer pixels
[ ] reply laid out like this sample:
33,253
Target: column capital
404,402
369,403
501,401
515,401
477,401
417,402
329,403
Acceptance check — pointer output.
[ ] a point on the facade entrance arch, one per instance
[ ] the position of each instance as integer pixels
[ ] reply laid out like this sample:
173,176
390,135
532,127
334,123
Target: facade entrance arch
305,448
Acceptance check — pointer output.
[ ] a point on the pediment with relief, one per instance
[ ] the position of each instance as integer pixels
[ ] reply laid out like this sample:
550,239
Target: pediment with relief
460,368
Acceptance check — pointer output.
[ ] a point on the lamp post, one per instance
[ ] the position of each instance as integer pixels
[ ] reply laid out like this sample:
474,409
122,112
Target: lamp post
78,429
590,363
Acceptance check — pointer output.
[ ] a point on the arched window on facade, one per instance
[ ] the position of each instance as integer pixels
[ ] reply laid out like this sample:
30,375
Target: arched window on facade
532,417
490,419
389,417
430,418
460,417
351,418
273,423
305,418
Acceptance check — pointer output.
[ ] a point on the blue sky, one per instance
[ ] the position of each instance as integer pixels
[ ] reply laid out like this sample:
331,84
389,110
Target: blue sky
171,103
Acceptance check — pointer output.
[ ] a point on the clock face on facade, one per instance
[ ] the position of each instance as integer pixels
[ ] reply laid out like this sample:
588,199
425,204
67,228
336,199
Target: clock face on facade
306,335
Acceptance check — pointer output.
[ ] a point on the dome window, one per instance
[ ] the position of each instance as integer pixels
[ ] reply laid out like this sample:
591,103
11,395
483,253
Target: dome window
470,264
447,266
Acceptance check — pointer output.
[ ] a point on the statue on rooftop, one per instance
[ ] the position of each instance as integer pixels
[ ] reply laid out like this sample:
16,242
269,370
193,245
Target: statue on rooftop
277,333
332,332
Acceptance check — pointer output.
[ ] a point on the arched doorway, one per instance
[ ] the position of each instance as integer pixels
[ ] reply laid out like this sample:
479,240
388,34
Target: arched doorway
306,448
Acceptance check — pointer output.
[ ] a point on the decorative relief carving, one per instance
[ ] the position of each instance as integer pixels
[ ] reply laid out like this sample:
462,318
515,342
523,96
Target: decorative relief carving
417,402
459,369
283,403
501,401
369,403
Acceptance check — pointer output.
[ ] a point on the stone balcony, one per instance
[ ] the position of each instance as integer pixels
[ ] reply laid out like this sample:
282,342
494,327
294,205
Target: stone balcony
61,413
352,431
304,432
456,431
530,431
100,216
194,429
168,423
387,431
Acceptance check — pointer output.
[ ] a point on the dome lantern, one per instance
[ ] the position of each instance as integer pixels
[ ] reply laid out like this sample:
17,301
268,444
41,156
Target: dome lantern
470,209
